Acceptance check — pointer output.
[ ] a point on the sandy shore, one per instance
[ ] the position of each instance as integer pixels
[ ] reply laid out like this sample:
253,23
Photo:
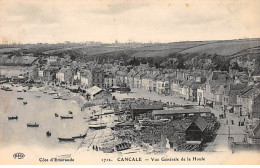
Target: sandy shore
66,94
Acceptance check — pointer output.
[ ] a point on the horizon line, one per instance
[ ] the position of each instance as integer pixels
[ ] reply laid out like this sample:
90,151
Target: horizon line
126,42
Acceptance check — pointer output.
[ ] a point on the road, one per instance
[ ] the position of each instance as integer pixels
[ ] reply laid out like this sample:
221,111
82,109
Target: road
138,93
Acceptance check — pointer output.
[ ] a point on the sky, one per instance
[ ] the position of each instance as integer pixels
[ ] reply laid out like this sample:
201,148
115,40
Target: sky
54,21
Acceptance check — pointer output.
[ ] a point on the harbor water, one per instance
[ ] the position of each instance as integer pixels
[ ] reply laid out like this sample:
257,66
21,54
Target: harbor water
41,109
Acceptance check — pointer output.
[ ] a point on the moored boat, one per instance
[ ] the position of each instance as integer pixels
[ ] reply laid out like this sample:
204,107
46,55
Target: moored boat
107,150
38,96
13,118
32,125
8,89
80,136
66,139
59,97
123,146
97,126
70,112
66,117
24,103
48,133
19,98
56,115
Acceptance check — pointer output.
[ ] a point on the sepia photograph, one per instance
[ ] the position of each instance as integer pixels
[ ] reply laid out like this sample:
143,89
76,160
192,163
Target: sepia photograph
124,82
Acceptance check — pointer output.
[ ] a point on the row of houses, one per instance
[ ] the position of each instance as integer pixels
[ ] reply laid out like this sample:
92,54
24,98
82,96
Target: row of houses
236,92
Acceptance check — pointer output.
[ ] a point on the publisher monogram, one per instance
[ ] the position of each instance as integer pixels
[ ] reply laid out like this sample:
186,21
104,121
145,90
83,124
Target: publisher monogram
18,155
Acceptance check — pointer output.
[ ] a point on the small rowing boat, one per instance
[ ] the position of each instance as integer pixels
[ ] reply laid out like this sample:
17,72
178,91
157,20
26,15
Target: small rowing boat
80,136
107,150
66,139
66,117
13,118
59,97
32,125
97,126
8,89
123,146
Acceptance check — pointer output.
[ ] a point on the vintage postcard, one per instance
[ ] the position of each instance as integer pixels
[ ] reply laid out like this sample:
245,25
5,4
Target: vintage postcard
116,82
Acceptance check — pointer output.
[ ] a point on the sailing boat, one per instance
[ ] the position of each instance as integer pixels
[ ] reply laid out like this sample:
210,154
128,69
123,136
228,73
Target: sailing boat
97,126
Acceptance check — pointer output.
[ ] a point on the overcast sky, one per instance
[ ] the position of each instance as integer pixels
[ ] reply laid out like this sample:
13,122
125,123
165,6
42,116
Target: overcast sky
55,21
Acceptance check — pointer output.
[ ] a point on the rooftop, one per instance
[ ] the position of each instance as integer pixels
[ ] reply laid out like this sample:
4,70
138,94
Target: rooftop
181,111
146,106
201,123
93,90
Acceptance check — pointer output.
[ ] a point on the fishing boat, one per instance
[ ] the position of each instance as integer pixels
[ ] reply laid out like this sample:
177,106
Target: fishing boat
8,89
123,146
19,98
52,93
107,150
48,133
56,115
24,103
66,139
66,117
97,126
80,136
13,118
32,125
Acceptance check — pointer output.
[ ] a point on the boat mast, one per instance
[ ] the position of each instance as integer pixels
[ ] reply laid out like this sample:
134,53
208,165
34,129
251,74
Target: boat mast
101,119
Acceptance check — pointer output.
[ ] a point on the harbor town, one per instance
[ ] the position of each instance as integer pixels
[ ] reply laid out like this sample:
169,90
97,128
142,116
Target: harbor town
58,101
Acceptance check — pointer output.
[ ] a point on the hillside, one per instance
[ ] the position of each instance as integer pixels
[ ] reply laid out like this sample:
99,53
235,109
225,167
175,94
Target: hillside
155,53
224,47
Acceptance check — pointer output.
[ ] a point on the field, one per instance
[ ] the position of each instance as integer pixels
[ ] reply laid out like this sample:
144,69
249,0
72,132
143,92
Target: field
224,47
3,50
